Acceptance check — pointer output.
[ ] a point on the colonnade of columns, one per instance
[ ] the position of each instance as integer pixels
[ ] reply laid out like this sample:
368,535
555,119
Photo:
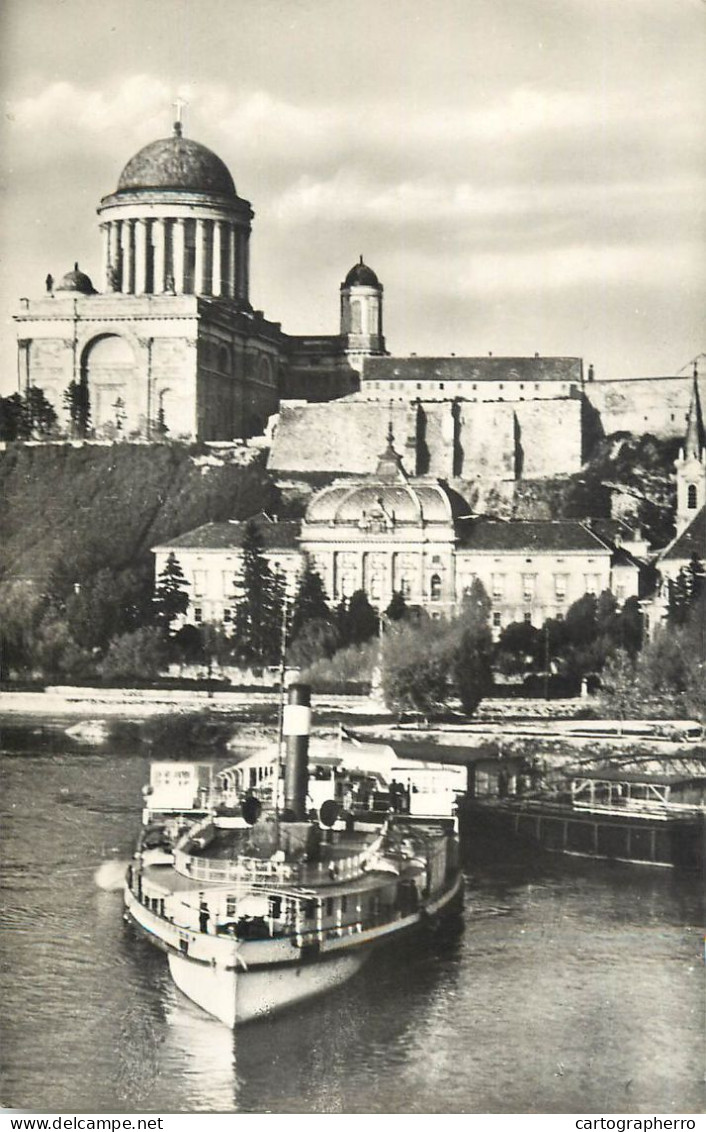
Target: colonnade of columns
179,256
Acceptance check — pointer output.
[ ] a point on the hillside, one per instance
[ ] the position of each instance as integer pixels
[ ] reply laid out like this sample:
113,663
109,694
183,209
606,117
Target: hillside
77,526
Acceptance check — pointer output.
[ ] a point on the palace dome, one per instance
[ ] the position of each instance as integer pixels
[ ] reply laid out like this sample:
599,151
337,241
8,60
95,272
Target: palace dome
76,281
406,502
360,275
177,163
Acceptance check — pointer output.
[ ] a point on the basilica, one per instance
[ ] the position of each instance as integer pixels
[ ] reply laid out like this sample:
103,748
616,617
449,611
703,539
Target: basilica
169,343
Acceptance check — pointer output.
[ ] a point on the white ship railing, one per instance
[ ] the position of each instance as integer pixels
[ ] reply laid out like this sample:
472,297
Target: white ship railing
254,870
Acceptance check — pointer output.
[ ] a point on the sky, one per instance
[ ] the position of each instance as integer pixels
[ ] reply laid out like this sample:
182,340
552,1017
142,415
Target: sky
523,175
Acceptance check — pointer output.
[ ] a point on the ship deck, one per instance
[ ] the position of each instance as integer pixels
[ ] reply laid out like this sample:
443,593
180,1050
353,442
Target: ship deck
166,879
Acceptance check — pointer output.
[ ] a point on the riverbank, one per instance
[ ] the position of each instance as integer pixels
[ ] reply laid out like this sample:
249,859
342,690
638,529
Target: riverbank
139,703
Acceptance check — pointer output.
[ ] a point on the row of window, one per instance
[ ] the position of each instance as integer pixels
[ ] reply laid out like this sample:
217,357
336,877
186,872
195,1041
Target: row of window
462,386
592,585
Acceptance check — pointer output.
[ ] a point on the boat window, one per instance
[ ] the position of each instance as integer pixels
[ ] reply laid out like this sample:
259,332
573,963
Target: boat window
344,904
329,905
275,906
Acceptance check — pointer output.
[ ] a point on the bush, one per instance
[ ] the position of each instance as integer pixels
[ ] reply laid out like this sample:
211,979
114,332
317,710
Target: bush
316,640
352,665
415,666
139,656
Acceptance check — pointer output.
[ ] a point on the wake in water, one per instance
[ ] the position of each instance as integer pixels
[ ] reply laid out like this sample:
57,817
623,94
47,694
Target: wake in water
110,876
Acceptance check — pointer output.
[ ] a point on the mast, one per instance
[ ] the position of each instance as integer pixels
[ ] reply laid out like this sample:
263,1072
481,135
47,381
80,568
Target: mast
280,713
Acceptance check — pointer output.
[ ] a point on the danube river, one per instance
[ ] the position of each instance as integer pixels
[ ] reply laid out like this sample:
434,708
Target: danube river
573,987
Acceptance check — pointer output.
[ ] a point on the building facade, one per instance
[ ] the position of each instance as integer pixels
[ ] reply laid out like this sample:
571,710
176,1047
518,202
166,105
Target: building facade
689,544
390,532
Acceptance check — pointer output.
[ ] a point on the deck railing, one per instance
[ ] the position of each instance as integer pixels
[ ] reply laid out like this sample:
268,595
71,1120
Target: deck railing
254,870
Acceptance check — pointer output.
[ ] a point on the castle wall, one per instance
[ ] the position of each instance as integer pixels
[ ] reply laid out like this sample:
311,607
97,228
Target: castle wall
550,437
466,441
486,441
341,437
646,404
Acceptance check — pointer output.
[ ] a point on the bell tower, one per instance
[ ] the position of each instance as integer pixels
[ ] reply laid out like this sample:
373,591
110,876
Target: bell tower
691,464
361,313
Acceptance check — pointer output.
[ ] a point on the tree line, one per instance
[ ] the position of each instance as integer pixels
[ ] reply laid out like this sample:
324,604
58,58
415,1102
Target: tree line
125,631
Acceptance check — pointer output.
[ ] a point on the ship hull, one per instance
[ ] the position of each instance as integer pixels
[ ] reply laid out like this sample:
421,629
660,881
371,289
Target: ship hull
237,982
238,996
662,841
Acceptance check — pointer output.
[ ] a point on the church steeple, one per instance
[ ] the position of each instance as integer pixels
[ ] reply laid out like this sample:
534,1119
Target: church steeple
691,465
694,441
361,314
390,462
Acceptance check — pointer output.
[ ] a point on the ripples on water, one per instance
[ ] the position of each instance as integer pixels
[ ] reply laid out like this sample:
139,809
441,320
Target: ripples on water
574,986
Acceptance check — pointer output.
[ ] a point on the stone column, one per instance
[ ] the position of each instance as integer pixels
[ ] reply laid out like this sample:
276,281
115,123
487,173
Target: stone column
240,276
126,285
114,254
200,266
233,250
140,257
159,236
105,235
178,252
217,276
23,374
246,267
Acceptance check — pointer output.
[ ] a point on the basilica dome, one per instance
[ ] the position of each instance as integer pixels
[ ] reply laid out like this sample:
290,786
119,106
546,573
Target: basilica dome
177,164
76,281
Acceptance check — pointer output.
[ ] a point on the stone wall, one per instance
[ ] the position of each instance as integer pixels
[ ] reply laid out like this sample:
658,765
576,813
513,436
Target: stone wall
341,437
646,404
550,437
467,441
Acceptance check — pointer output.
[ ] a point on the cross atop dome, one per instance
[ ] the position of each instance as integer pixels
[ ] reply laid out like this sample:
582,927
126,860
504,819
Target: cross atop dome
179,105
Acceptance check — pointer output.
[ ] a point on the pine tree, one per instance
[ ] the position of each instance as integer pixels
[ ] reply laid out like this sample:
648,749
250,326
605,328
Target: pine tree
398,609
170,598
471,653
78,407
257,624
362,619
310,602
40,416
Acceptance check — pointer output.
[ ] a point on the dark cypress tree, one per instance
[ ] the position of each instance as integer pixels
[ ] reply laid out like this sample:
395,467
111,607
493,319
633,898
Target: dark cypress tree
257,624
472,648
11,417
310,602
398,609
77,405
39,414
362,619
170,597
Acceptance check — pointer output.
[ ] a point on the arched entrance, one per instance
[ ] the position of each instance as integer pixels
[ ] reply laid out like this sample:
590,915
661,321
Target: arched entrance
109,369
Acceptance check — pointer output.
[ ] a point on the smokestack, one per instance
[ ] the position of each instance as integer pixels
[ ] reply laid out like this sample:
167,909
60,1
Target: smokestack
296,728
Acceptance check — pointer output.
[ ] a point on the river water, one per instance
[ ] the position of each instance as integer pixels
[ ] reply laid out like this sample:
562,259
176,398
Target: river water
574,986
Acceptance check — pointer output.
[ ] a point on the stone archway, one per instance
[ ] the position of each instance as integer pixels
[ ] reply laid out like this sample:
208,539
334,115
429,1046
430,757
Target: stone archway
109,368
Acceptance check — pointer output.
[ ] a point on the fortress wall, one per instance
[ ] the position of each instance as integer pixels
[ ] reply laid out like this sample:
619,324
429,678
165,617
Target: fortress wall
550,437
486,438
436,440
341,437
647,404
